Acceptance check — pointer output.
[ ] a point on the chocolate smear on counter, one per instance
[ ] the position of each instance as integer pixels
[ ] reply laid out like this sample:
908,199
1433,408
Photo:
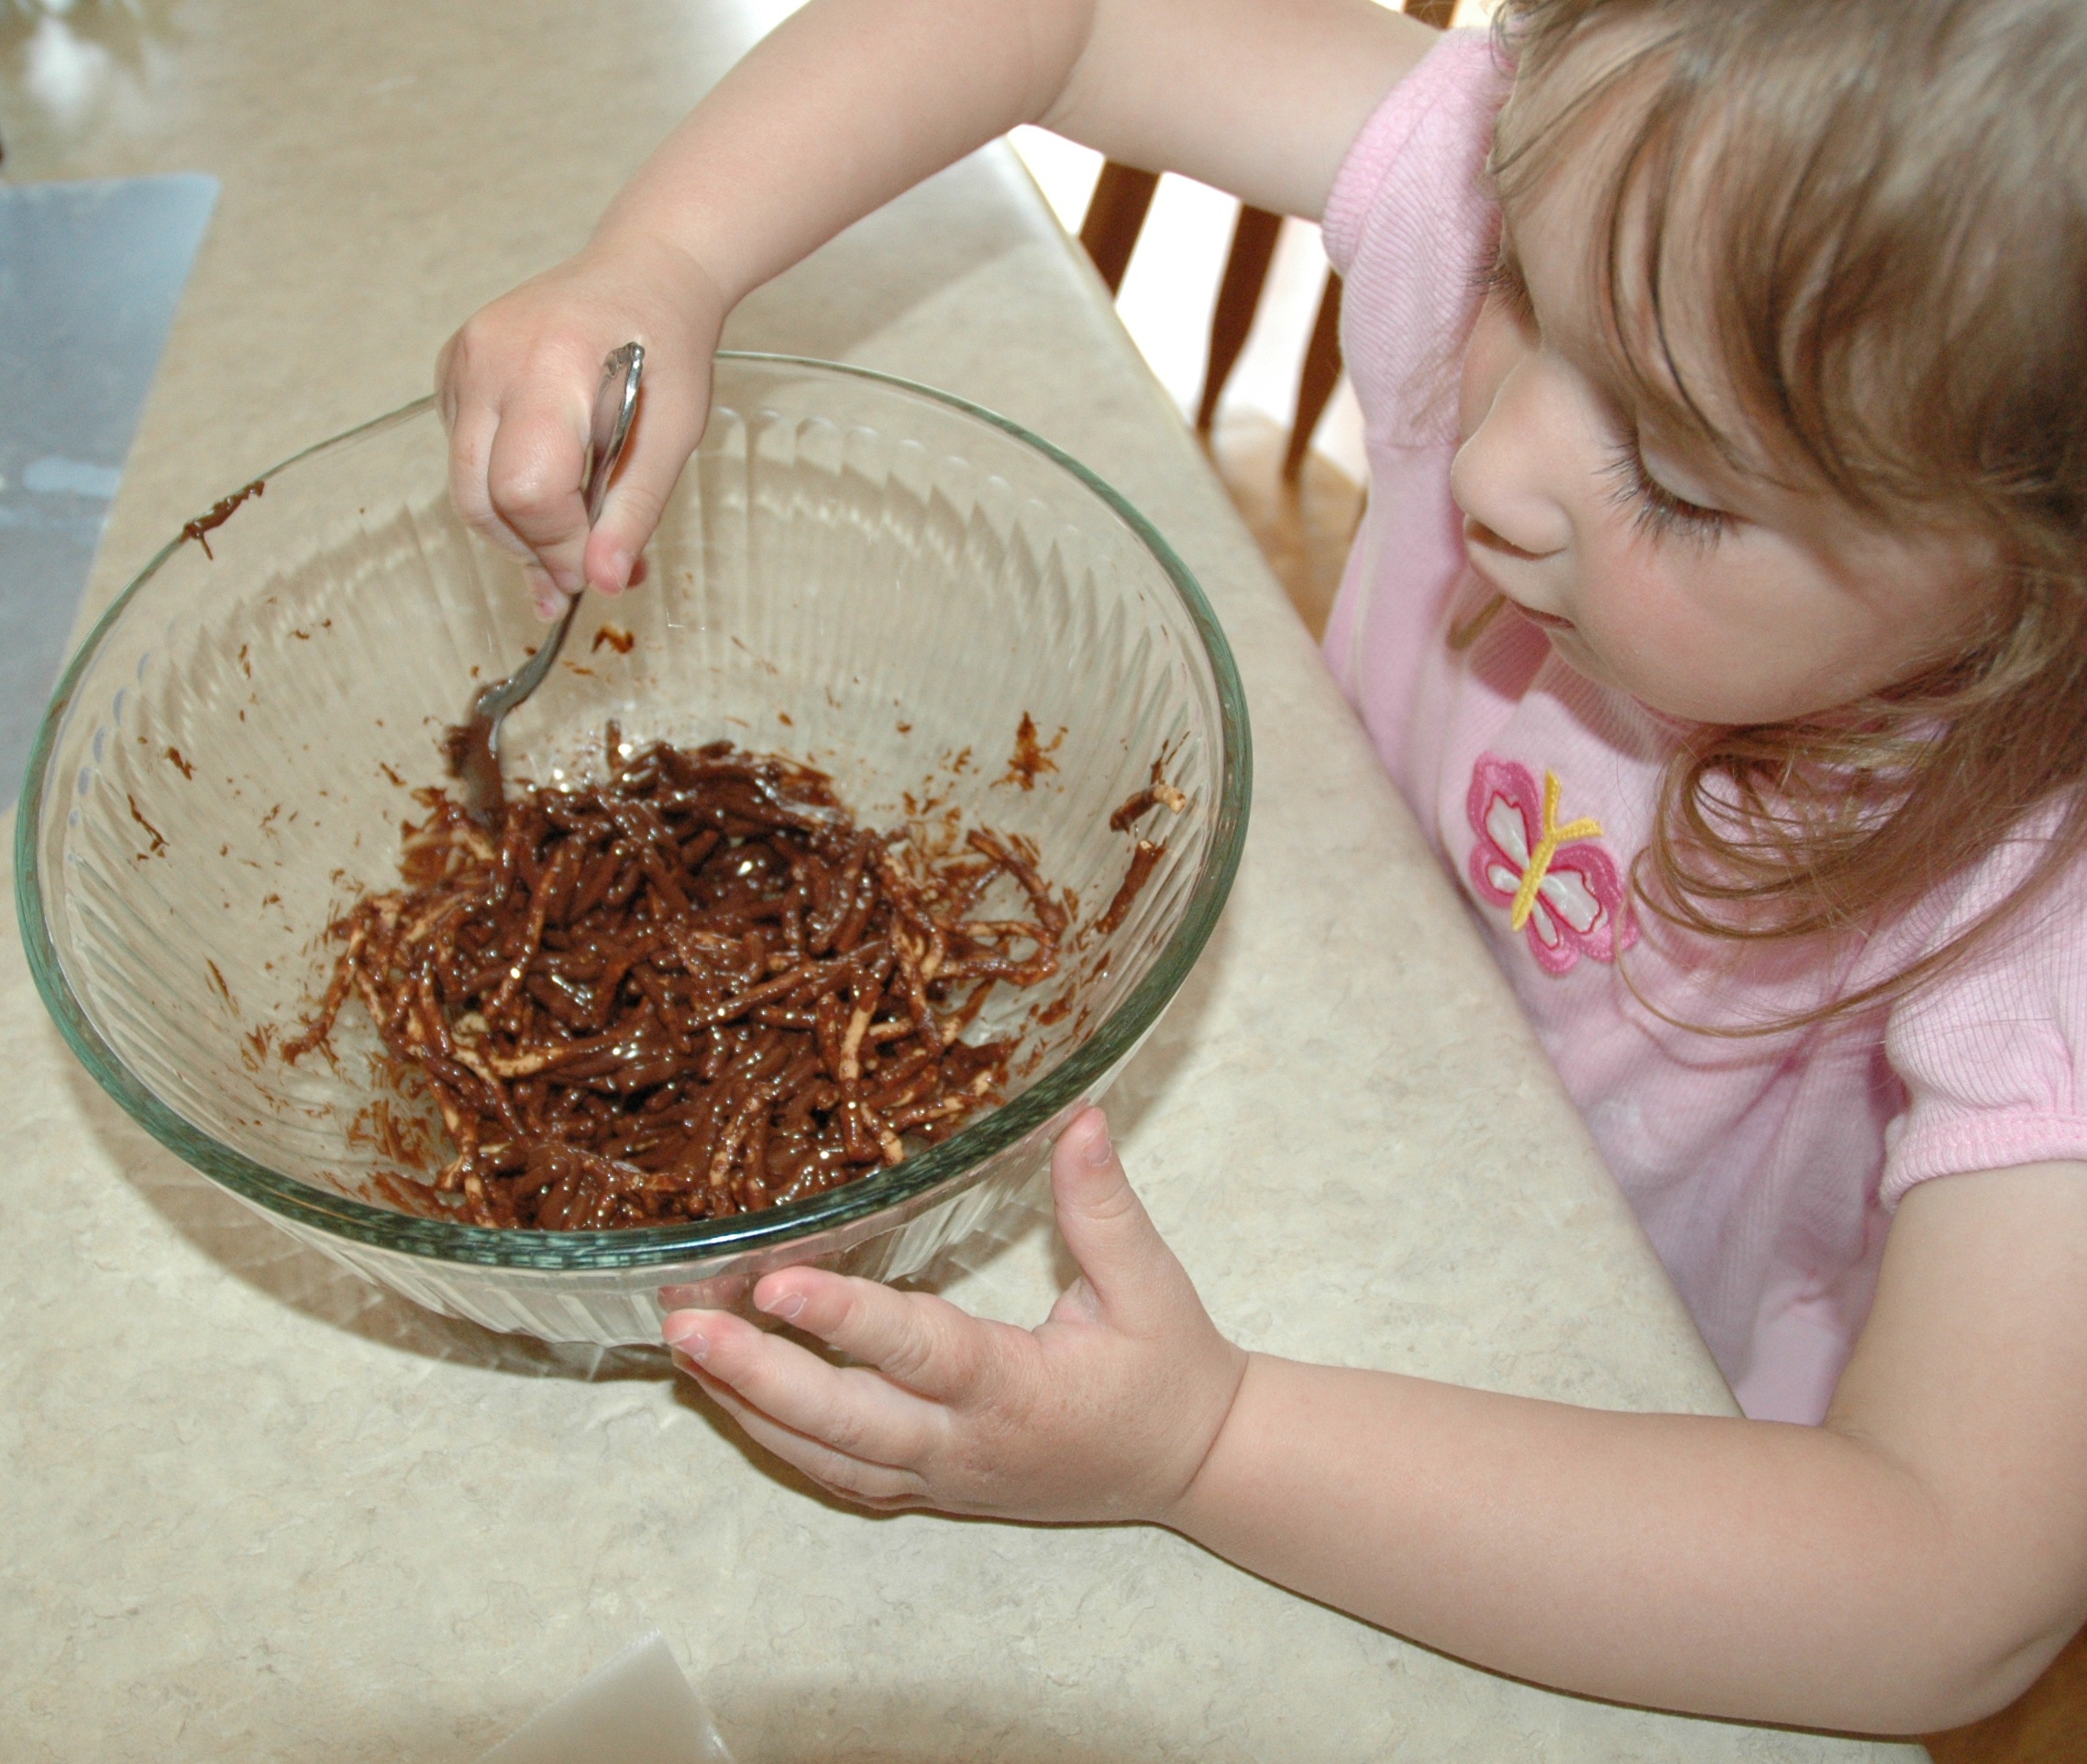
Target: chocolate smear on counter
694,990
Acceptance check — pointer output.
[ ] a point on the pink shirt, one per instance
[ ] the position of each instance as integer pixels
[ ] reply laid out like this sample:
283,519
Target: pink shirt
1763,1169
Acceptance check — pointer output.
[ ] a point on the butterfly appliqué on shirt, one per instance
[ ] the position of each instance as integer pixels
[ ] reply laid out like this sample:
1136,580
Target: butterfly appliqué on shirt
1556,883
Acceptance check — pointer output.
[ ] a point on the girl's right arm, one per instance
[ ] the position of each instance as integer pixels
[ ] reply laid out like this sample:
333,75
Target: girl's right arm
844,106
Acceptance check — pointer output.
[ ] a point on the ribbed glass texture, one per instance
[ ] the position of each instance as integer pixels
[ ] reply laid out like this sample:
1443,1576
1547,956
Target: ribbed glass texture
862,574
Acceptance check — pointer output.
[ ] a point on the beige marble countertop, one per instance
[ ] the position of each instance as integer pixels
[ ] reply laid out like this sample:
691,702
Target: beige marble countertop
257,1509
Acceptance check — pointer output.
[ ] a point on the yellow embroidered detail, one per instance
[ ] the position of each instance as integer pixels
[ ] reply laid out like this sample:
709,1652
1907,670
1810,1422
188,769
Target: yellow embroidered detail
1551,837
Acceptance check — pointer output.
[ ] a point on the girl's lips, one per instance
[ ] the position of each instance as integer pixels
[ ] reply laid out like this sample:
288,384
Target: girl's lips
1545,621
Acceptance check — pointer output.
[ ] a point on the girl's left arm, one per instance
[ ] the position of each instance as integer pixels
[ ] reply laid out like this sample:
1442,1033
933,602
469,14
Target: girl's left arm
1910,1565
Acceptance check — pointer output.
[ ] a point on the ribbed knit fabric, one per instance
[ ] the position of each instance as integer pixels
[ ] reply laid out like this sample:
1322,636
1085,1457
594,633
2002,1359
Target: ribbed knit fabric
1763,1168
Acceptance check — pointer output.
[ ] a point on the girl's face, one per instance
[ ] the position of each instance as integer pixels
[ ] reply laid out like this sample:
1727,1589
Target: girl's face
1653,565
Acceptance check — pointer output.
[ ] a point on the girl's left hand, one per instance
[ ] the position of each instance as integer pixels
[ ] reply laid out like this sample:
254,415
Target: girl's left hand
1105,1411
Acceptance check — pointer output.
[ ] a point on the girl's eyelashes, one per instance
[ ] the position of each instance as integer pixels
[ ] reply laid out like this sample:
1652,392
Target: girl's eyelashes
1502,280
1657,510
1654,509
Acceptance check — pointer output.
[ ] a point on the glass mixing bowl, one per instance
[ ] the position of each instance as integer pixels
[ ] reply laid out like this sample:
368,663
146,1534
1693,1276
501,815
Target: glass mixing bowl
872,576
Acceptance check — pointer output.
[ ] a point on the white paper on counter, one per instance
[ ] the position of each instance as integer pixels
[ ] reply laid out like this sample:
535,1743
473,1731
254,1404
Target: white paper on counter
638,1709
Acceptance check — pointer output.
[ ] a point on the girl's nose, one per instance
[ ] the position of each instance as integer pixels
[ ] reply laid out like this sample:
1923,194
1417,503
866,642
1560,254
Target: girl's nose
1503,477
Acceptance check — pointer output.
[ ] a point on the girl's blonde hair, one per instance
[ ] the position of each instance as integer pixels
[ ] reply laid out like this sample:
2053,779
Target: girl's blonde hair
1890,200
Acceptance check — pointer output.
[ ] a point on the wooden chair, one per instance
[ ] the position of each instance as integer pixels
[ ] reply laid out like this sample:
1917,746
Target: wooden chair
1115,216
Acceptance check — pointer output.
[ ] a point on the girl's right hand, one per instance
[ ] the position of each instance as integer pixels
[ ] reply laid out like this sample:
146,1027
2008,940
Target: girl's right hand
843,106
517,386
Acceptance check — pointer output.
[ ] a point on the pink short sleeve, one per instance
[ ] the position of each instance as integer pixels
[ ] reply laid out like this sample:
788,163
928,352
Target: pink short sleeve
1410,225
1994,1054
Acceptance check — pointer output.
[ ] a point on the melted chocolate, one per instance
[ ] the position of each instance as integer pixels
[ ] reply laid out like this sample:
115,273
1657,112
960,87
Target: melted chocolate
469,748
695,990
1147,854
1030,757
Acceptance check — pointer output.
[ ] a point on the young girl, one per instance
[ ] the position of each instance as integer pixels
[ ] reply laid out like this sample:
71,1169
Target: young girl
1722,613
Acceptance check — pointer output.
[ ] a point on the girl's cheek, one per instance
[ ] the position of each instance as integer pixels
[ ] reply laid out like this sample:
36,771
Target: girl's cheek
1625,584
1632,616
1663,644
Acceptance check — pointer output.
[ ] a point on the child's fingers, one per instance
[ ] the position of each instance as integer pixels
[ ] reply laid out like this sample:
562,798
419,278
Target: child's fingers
470,444
859,1480
543,593
924,1342
1134,1275
477,385
471,429
855,1412
672,414
533,480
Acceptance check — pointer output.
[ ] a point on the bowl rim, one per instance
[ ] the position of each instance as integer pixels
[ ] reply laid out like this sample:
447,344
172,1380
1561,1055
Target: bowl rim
897,1190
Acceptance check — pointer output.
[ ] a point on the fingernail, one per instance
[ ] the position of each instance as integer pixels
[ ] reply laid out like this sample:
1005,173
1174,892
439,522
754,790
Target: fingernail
685,1336
786,1306
1099,1149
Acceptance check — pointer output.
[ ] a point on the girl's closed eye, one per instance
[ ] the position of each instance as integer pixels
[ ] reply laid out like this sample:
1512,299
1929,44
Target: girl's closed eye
1657,510
1502,280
